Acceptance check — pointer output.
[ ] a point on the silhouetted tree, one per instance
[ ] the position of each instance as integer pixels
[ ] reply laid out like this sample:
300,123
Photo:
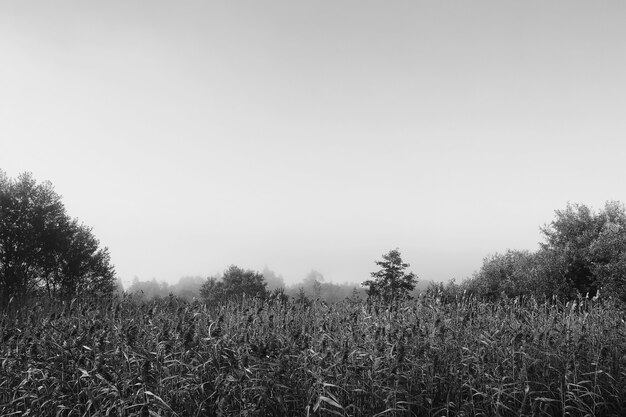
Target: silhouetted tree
391,282
42,249
85,268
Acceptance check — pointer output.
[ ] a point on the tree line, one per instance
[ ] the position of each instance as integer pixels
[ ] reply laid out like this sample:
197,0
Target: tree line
43,251
314,286
583,254
391,283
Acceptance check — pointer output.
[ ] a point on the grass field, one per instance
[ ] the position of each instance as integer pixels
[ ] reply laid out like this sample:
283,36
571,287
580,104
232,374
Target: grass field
255,358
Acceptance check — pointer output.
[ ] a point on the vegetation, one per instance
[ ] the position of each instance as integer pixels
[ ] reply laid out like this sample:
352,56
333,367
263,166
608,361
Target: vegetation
187,287
234,284
583,252
315,287
252,357
312,287
43,250
529,334
391,282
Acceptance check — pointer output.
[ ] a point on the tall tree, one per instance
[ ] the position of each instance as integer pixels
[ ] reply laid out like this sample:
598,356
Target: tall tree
391,282
42,249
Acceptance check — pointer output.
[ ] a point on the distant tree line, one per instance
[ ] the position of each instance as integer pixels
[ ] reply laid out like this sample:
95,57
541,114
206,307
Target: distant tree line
583,253
42,250
389,283
187,287
235,282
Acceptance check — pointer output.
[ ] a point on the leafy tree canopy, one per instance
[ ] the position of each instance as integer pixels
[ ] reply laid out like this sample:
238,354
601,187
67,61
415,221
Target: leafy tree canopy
43,250
511,273
588,247
584,251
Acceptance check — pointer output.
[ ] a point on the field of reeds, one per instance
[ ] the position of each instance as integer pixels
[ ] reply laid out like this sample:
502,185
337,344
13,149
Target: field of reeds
261,358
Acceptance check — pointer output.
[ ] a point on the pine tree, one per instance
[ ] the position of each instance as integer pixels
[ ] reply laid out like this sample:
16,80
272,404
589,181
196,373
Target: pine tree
391,282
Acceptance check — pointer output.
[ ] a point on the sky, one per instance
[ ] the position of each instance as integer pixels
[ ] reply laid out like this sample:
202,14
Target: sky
319,135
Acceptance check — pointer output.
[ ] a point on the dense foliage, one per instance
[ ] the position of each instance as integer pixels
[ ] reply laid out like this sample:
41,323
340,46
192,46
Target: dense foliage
43,250
391,282
258,358
234,284
583,252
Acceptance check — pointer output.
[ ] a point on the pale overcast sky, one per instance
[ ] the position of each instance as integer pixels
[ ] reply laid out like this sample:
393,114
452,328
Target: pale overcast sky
315,135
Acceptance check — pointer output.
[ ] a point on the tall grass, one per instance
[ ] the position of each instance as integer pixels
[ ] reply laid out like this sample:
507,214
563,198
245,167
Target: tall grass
256,358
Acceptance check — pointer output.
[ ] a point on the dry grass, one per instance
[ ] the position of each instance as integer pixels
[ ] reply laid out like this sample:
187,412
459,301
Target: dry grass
171,358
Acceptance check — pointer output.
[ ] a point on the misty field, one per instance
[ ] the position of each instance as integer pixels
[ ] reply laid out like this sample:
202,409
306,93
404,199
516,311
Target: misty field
260,358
